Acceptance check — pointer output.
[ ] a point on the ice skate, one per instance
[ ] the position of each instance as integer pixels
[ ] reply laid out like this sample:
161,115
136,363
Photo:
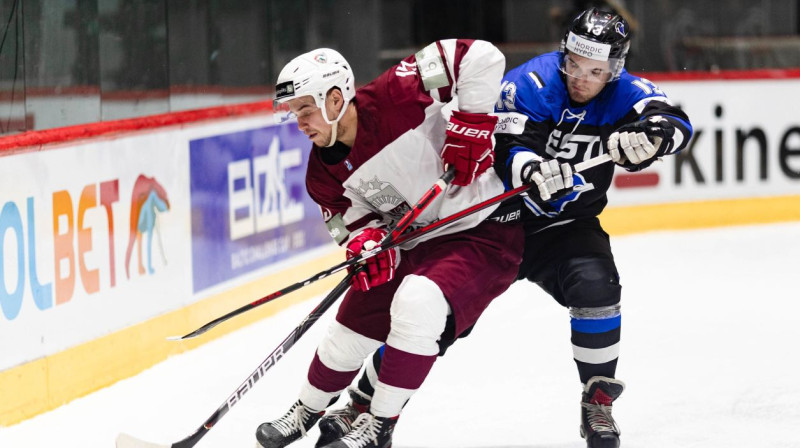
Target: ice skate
597,425
368,432
285,430
335,424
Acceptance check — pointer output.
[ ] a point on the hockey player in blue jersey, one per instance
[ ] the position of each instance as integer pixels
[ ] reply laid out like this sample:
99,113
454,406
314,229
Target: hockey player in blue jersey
554,111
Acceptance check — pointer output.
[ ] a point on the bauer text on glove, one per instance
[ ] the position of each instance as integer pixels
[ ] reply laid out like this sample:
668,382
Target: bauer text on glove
468,145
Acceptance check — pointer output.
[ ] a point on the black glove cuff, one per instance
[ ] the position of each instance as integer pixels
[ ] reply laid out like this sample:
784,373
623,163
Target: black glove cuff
527,170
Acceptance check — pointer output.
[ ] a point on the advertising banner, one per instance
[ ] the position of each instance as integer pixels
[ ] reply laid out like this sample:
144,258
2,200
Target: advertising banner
99,235
746,144
91,241
249,203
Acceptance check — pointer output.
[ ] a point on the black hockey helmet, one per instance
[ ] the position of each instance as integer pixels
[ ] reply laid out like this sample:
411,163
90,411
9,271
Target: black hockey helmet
599,35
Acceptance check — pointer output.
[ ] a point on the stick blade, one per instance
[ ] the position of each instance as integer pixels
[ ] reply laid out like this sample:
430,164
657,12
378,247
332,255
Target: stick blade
127,441
191,335
195,333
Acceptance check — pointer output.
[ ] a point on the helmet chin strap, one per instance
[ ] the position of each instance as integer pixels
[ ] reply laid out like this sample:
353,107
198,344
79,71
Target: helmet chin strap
334,129
335,125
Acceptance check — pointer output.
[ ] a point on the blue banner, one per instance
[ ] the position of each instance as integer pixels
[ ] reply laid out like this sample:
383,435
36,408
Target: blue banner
249,203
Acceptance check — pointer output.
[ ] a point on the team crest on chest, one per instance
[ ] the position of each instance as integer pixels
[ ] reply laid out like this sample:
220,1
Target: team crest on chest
383,197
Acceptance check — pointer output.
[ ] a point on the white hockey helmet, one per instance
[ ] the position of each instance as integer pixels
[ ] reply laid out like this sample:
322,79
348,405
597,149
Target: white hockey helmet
314,73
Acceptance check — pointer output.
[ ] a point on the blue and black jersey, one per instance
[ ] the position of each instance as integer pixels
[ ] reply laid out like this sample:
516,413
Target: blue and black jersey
536,114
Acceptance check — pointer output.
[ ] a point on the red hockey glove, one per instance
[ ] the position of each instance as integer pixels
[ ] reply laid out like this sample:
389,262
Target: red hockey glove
468,145
378,269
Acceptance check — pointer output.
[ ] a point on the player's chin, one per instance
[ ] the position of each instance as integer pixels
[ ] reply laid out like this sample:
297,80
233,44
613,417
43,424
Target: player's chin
576,93
580,95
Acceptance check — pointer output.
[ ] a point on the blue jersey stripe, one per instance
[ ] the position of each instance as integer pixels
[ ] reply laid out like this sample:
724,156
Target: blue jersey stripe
596,325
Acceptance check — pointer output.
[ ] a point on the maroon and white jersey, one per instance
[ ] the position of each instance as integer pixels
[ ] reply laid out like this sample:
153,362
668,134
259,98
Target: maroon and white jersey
395,159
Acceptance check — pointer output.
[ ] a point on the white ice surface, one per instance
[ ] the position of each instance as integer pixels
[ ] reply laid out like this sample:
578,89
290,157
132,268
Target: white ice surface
709,355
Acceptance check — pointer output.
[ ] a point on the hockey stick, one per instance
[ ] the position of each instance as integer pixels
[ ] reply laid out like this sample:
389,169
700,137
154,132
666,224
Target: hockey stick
399,228
380,248
127,441
581,166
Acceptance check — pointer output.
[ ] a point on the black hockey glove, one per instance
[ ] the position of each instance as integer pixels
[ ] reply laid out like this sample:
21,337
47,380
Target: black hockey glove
551,179
636,145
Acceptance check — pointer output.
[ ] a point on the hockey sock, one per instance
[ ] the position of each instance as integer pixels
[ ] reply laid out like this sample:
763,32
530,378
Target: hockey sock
401,374
595,340
366,384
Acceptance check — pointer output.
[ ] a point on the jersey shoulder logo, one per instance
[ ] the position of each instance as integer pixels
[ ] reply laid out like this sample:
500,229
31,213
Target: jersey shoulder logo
510,123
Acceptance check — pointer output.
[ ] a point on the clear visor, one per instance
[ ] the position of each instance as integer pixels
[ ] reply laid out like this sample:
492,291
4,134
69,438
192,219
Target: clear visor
283,113
590,70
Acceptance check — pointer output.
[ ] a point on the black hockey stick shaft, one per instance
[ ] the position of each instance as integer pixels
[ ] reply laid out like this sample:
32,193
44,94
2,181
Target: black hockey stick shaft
301,329
267,364
127,441
399,228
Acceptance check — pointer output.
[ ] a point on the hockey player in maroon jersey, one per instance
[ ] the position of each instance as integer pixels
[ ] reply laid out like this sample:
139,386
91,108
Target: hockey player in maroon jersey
376,150
567,106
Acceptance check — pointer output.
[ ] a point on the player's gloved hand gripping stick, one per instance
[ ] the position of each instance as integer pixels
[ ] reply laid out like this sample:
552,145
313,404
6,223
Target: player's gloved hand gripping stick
581,166
126,441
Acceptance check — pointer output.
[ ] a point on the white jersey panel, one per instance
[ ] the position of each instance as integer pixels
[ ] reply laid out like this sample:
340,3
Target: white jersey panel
477,86
384,181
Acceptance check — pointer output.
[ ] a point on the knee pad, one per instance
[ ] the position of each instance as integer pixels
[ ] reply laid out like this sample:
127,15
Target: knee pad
590,282
419,311
343,349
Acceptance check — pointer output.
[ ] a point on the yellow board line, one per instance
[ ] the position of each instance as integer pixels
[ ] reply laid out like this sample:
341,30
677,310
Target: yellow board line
47,383
696,215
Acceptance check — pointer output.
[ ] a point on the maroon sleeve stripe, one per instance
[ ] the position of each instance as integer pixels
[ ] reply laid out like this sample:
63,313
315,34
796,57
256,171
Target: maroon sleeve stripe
445,93
462,47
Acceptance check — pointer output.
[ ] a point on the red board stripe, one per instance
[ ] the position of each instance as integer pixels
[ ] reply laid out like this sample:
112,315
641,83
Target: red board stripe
731,75
56,135
636,180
